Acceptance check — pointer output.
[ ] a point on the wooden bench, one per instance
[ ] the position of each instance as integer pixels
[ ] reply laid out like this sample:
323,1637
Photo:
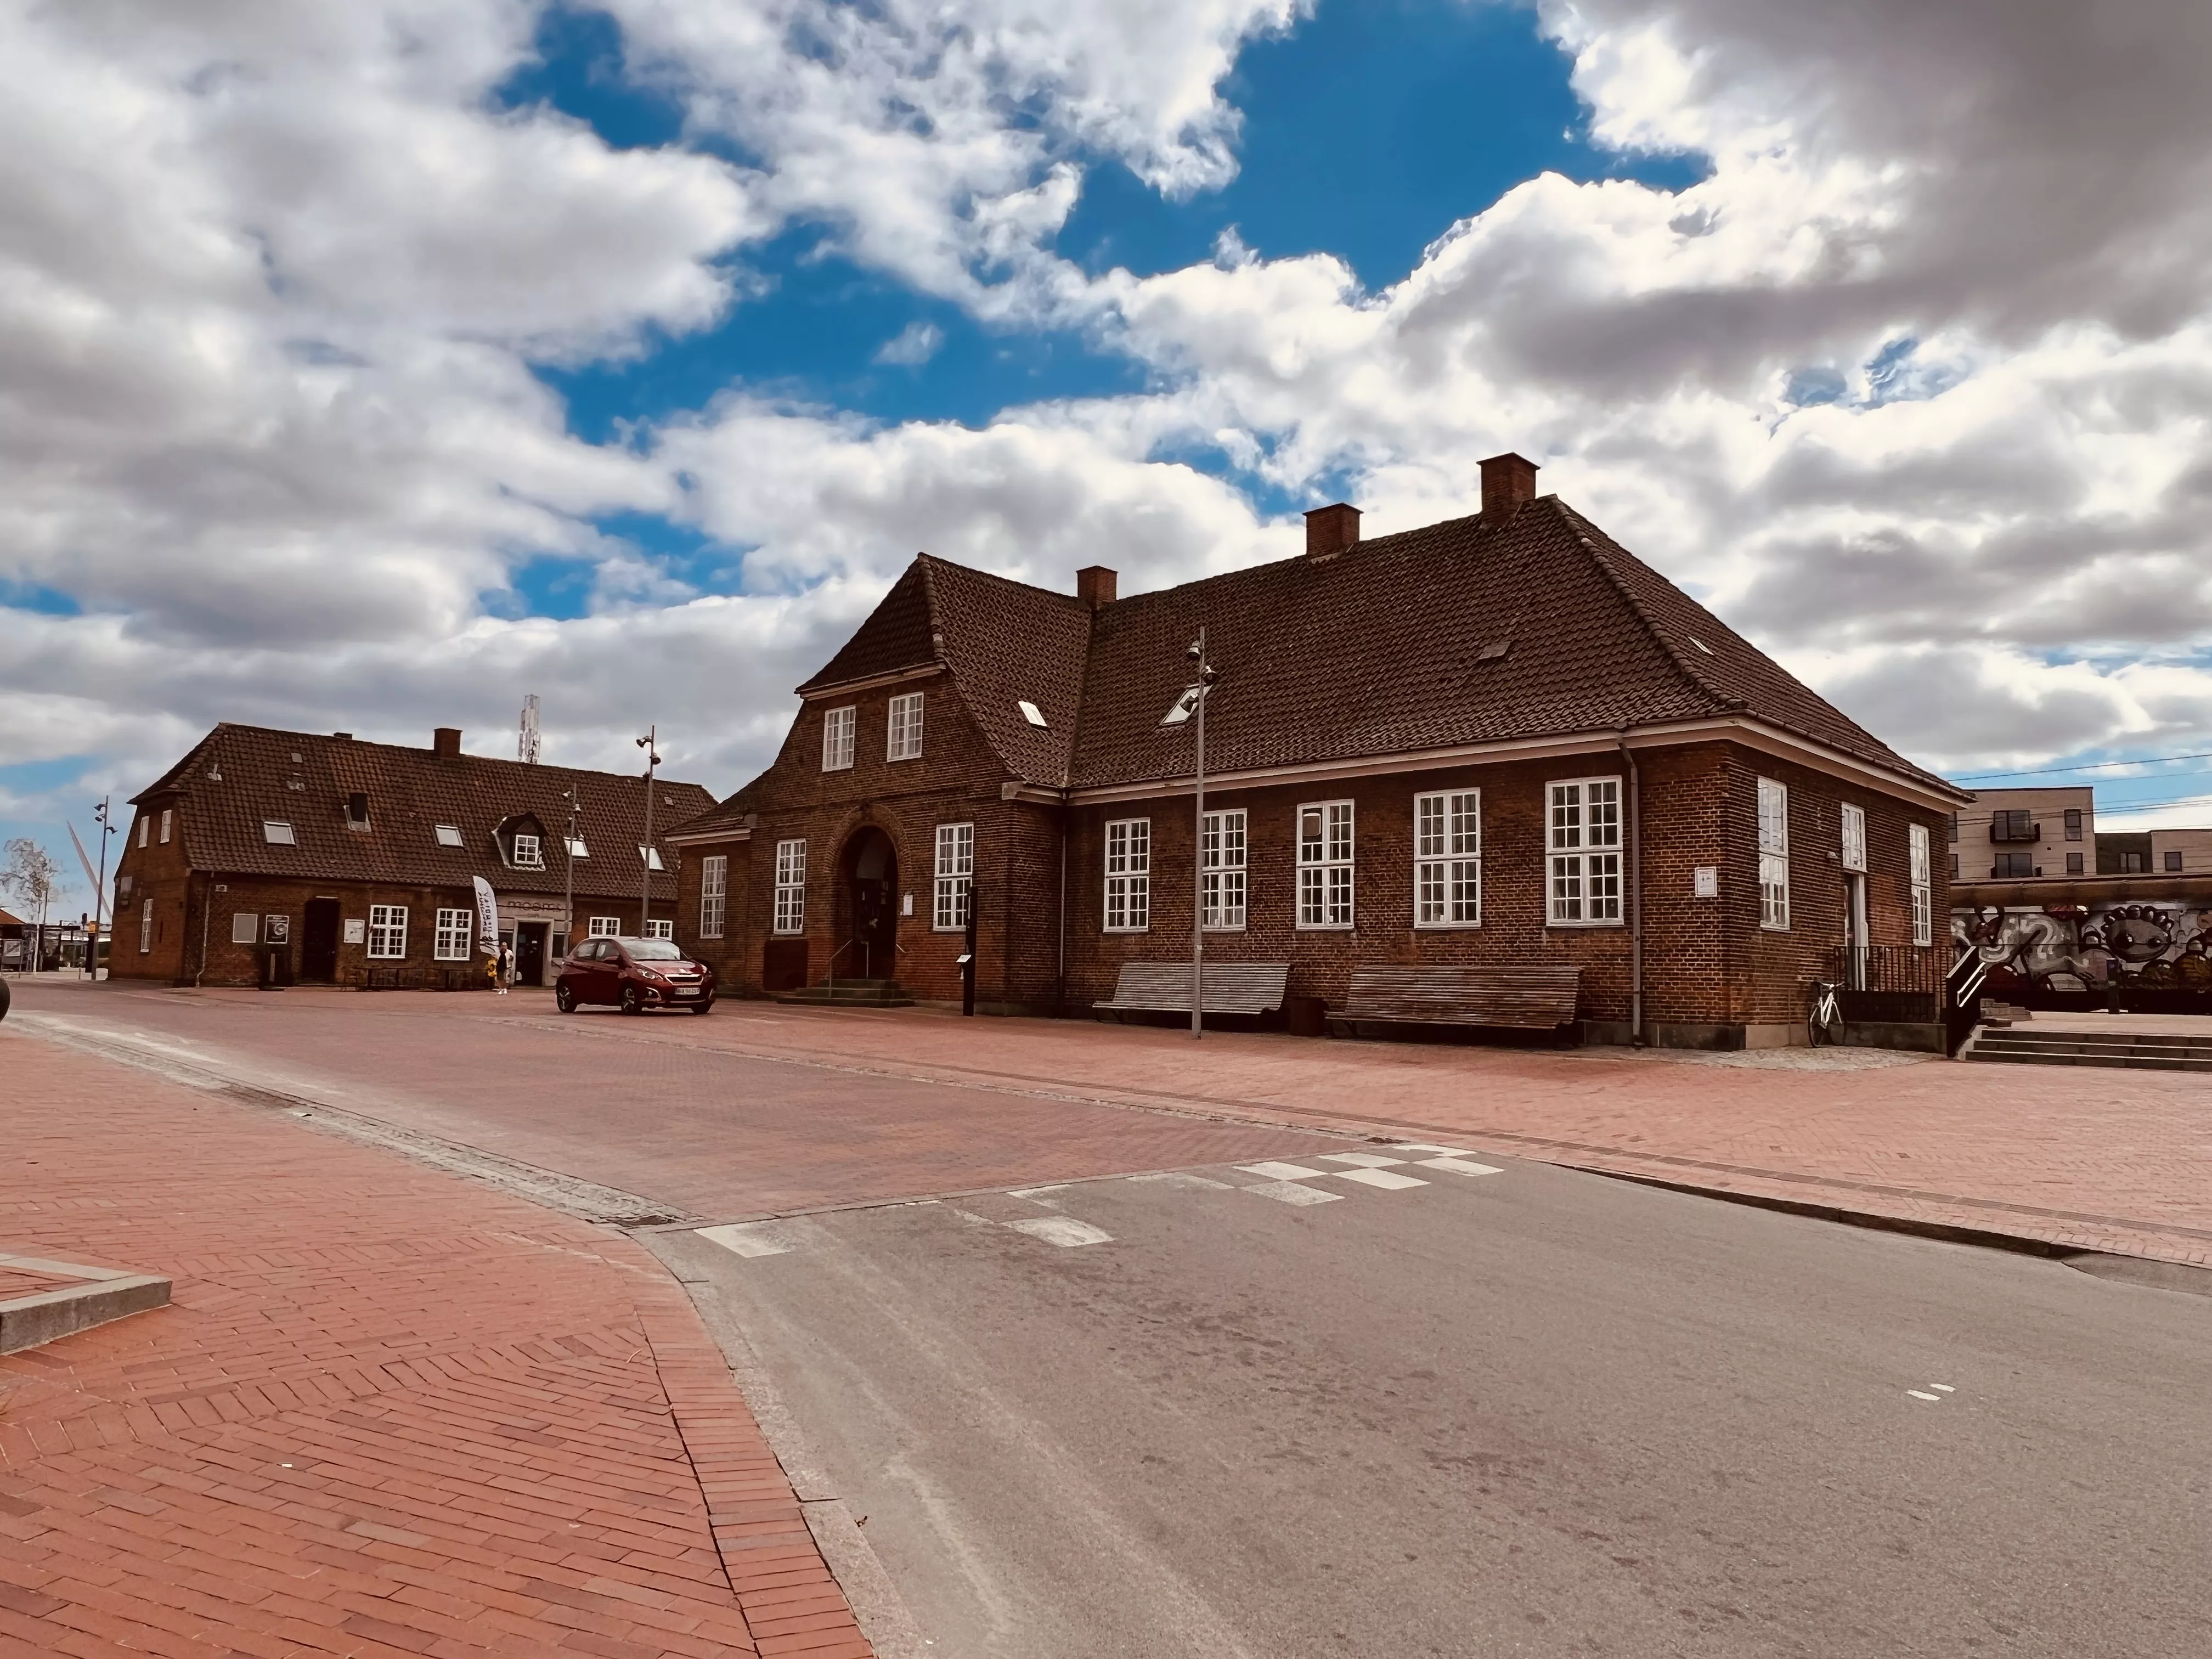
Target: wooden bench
1232,987
1531,997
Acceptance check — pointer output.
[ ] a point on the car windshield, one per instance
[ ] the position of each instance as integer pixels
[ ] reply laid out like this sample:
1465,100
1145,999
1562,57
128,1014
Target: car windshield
652,950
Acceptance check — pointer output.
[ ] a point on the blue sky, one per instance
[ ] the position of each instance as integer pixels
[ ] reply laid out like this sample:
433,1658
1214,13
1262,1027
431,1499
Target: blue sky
392,393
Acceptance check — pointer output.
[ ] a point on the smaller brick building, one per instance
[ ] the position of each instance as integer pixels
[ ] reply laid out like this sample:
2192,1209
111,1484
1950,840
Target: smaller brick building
292,857
1495,741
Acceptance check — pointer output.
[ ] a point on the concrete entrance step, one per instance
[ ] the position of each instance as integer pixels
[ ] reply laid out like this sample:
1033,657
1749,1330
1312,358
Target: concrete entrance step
851,994
2149,1051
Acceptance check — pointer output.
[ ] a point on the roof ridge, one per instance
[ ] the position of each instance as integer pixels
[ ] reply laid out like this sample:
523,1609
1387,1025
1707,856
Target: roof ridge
934,559
1600,556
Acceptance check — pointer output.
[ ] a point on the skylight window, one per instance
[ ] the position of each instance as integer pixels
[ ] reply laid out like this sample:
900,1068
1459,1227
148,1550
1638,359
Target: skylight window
577,848
1031,712
1494,651
1182,708
449,834
278,833
1701,644
651,857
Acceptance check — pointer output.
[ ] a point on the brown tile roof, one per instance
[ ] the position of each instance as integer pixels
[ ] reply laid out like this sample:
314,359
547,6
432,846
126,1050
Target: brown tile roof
1003,642
1379,650
303,779
1466,632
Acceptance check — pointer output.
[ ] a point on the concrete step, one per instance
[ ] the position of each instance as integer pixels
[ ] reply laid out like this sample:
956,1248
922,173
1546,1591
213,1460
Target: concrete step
851,994
2148,1051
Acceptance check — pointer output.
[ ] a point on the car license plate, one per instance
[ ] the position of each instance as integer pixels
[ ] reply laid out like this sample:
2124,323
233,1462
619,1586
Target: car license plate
687,991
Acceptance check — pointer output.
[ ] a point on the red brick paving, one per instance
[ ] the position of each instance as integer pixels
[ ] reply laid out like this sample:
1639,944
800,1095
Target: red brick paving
390,1412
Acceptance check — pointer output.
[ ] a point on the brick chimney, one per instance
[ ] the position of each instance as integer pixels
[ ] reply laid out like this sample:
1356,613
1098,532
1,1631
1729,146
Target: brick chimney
1095,584
446,742
1331,529
1508,480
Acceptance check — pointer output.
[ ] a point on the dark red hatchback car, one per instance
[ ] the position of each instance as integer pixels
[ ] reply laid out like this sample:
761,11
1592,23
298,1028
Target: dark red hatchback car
634,975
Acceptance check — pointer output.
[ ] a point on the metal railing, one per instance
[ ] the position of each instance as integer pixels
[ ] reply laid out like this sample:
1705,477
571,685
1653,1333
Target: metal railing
1889,968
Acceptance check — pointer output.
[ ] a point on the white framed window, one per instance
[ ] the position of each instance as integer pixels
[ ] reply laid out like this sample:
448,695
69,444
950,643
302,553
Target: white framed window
1224,842
713,893
838,728
1854,855
1923,886
904,740
449,834
1582,845
387,930
278,833
144,823
1128,875
1325,897
529,852
577,848
651,857
145,915
1447,859
656,928
956,874
456,932
245,926
791,887
603,928
167,818
1773,856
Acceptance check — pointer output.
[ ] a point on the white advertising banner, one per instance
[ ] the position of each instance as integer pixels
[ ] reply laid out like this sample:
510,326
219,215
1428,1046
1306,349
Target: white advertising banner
487,918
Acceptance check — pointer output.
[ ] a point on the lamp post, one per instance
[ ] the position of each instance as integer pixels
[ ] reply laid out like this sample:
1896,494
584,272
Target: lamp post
569,894
1204,672
100,815
645,853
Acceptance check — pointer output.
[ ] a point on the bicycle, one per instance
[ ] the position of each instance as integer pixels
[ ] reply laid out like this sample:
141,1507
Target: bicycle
1825,1022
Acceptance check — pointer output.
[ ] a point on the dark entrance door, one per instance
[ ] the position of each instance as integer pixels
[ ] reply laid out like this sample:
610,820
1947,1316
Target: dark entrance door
318,942
872,951
529,953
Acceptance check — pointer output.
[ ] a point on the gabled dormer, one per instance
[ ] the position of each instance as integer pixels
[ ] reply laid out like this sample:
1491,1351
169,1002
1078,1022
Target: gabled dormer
522,843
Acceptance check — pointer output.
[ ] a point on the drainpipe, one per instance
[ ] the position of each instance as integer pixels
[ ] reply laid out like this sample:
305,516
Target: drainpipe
1060,997
207,904
1635,895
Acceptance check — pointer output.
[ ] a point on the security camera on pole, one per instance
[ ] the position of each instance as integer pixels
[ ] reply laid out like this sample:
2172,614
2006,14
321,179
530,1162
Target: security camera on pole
1191,705
645,853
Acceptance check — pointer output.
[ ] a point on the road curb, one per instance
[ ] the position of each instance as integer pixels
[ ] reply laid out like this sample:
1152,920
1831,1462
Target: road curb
102,1295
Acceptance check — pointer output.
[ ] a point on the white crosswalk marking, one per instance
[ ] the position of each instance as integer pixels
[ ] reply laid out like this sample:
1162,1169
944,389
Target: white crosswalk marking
1389,1180
1365,1160
1062,1230
1291,1192
1461,1166
1281,1171
749,1238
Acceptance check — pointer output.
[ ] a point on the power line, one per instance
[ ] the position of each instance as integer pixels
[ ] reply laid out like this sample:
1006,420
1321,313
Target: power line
2086,766
2134,807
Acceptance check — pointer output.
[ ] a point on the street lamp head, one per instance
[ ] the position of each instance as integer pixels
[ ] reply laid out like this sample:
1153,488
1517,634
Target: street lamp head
1195,652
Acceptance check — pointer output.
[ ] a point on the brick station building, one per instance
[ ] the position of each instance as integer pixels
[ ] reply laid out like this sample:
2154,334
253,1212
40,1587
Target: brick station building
298,857
1497,740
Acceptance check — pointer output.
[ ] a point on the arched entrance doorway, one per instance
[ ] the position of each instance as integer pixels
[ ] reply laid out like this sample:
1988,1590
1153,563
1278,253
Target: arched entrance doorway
870,869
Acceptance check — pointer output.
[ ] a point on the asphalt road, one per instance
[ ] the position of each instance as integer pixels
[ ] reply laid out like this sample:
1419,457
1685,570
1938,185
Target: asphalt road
1536,1412
1533,1412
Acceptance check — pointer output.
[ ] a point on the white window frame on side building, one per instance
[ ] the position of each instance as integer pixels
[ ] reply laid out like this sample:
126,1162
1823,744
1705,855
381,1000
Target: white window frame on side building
1128,875
1447,859
1922,884
456,933
838,726
1328,899
955,876
1582,841
1226,844
145,824
902,729
713,893
1773,855
790,887
146,927
168,818
660,927
529,851
604,928
1854,838
387,933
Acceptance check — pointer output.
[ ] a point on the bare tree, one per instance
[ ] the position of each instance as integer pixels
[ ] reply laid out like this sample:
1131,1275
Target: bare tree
33,876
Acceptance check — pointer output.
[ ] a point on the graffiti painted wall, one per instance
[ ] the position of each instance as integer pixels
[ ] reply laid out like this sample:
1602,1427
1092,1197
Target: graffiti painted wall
2074,955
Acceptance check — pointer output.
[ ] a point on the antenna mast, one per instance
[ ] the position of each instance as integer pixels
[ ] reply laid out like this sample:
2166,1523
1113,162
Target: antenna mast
525,748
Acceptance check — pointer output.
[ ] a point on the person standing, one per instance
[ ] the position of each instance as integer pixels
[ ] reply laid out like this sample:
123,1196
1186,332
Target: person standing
506,966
